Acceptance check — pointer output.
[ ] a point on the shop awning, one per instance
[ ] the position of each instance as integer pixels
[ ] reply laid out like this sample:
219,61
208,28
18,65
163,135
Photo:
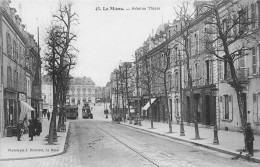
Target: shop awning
25,111
148,104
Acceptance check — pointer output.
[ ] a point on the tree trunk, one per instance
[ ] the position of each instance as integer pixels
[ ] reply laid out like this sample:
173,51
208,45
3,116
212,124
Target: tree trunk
151,109
167,108
52,129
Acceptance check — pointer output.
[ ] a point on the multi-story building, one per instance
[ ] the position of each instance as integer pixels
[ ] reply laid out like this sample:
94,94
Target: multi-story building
99,93
47,94
82,90
16,73
33,74
212,94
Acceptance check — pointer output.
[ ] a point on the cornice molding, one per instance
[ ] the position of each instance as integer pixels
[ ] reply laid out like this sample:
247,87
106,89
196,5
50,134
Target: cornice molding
13,25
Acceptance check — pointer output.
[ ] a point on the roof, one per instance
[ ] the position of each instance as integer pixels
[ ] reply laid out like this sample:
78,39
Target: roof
81,81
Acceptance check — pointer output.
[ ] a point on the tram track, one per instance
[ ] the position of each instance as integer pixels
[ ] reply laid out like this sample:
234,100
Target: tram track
126,145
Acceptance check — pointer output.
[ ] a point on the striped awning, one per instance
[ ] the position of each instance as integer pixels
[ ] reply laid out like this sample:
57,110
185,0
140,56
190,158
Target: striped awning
148,104
25,111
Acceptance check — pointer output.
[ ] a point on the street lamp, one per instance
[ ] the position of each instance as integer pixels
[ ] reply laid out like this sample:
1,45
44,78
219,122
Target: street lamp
182,132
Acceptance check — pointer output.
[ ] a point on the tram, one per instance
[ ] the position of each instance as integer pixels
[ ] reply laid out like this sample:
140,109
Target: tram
86,111
71,111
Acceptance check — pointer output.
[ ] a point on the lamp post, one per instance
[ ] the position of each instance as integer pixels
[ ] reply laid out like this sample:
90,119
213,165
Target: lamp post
182,132
215,140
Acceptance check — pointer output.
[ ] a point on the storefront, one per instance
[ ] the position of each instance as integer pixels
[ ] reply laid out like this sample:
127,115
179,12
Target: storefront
10,108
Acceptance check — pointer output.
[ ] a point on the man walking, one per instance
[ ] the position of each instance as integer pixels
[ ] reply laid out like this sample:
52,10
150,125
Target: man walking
249,139
31,129
48,115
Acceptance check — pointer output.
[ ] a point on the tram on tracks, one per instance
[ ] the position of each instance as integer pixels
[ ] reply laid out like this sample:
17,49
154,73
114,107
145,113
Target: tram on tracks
86,112
71,111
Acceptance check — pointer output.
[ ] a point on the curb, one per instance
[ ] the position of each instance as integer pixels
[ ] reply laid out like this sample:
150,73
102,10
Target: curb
256,160
44,156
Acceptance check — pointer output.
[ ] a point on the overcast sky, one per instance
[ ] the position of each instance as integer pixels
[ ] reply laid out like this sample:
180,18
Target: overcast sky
104,37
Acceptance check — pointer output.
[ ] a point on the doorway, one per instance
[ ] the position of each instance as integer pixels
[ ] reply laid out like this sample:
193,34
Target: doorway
207,109
243,96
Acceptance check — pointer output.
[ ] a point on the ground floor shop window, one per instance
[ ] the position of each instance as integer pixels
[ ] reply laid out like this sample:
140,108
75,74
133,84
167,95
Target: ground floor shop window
256,107
11,115
226,107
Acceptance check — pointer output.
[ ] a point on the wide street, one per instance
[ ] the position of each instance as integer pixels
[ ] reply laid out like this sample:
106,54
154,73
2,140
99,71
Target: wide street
100,142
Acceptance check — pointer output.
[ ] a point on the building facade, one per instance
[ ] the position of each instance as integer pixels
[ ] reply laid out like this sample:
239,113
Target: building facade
212,94
47,93
82,90
16,76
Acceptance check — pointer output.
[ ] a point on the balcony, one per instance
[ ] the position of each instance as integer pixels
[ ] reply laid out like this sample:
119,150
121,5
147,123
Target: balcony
242,76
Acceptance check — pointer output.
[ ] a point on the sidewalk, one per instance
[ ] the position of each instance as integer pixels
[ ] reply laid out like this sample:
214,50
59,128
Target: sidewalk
11,149
229,142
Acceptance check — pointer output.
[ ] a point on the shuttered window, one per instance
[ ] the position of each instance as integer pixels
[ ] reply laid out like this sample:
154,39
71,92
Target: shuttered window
253,14
226,107
241,61
256,107
210,72
254,60
220,70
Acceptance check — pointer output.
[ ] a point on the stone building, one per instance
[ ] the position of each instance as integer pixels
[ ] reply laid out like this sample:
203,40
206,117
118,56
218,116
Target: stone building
213,95
82,90
20,63
47,93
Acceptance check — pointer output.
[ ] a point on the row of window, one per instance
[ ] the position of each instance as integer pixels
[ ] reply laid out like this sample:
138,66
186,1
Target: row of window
15,81
226,107
14,50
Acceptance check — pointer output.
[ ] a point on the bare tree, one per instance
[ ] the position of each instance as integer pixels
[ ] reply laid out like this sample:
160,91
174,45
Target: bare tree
125,79
163,72
184,45
60,55
147,74
233,33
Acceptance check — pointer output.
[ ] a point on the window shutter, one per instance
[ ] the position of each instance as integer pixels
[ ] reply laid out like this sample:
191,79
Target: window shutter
221,106
258,107
200,68
255,113
230,100
254,60
203,73
193,75
210,72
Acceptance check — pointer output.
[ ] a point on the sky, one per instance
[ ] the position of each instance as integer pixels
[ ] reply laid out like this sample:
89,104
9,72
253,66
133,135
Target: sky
104,37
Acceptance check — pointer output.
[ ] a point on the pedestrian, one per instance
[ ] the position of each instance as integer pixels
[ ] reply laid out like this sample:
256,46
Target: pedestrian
249,139
31,129
20,130
48,115
38,126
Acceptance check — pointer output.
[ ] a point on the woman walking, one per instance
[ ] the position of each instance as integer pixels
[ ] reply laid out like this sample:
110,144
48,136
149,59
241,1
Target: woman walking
31,130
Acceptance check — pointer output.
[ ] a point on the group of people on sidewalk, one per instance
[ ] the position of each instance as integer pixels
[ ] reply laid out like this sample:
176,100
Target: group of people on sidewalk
34,128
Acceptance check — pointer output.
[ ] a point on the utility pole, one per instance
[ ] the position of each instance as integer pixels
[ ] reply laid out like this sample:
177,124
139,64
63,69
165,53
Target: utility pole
121,75
117,107
137,89
182,133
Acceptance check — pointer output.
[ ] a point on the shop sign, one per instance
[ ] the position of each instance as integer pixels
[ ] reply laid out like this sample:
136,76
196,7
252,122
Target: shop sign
22,97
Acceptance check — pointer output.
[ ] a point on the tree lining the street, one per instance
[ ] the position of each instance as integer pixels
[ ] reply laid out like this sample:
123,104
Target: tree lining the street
125,79
60,57
234,35
183,46
161,64
146,78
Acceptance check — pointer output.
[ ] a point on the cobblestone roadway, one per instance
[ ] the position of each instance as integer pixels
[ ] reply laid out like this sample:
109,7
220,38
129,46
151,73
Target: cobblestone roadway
89,146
